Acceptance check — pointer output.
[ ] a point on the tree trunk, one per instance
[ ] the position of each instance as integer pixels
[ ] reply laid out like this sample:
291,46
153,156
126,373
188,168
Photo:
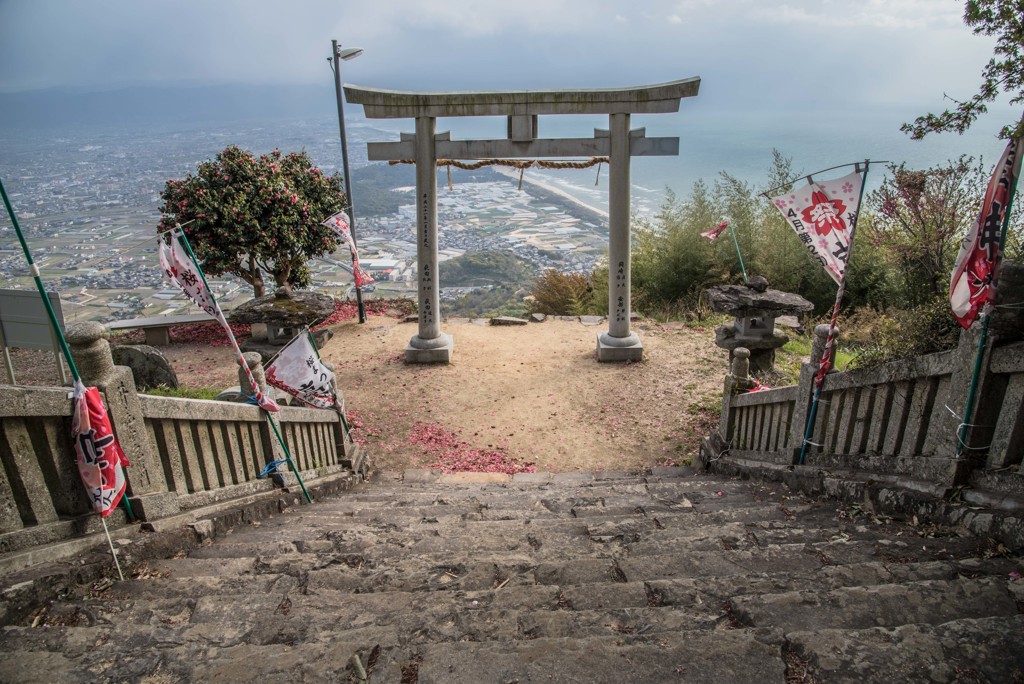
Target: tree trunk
282,274
259,288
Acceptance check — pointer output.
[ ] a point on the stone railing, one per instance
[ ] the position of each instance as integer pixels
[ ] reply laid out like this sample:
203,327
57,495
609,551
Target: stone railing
184,453
898,419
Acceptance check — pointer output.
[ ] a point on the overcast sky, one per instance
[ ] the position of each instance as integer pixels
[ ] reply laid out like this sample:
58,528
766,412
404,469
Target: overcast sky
824,53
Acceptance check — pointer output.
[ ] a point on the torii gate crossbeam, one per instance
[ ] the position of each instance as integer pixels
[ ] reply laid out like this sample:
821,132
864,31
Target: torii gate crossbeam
618,143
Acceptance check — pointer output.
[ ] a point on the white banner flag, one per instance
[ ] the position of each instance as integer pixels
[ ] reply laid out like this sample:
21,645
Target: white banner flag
298,370
823,214
182,270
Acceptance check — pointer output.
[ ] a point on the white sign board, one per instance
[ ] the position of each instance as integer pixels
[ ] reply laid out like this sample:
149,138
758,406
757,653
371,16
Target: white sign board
24,323
23,319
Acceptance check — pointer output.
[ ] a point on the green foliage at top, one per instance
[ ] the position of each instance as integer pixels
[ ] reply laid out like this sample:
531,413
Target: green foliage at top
1004,73
248,215
484,267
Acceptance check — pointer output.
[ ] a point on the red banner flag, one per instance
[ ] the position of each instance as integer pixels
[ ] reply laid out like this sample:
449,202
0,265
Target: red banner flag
339,223
971,285
716,231
99,456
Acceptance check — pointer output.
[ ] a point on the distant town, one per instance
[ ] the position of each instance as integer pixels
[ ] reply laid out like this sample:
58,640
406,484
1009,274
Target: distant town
88,203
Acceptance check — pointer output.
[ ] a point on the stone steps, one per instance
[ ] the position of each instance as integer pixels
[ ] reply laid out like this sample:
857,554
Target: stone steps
884,605
567,579
967,650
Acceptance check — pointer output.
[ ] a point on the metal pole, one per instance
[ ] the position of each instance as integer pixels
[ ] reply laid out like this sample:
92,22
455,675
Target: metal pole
961,431
336,57
742,267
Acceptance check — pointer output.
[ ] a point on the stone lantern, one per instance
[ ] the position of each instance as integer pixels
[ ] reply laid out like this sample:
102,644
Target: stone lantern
755,308
284,314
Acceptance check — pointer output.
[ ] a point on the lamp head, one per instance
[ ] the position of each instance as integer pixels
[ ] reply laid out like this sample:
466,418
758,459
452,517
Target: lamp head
350,53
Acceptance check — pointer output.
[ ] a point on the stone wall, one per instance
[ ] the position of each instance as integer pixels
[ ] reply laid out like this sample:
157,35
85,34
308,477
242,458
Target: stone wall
898,420
185,454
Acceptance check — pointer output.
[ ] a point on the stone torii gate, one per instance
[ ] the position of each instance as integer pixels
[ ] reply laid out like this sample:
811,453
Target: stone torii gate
618,143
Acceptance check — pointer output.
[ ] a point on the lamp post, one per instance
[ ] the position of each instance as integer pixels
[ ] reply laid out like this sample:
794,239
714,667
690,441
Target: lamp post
337,55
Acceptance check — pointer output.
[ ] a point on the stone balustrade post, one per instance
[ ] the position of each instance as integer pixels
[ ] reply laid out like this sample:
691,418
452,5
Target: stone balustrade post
818,344
808,371
737,379
147,486
342,440
255,363
741,364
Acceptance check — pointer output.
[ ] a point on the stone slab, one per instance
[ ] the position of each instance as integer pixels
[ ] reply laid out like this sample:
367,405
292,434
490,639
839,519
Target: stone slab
439,355
608,353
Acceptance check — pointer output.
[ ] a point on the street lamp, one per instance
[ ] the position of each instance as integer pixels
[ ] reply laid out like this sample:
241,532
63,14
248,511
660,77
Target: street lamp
337,55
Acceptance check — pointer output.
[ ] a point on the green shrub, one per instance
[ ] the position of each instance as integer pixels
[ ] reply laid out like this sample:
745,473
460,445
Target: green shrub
925,329
564,294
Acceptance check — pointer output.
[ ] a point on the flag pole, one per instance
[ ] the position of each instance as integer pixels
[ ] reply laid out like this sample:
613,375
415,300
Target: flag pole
826,355
113,553
961,429
288,456
742,267
344,422
34,270
241,361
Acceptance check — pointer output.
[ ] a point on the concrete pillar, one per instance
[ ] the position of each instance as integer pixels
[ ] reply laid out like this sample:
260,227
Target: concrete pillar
618,344
429,345
147,485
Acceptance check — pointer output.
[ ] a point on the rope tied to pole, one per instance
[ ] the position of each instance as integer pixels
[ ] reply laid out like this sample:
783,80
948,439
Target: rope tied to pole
521,164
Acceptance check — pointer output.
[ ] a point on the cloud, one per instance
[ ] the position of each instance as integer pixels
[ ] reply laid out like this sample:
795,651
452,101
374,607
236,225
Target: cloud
884,14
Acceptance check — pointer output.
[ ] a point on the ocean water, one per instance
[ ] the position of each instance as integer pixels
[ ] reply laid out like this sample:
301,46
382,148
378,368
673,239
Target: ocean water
737,143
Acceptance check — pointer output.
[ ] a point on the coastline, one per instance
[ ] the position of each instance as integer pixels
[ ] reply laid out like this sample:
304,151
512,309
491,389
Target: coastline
593,213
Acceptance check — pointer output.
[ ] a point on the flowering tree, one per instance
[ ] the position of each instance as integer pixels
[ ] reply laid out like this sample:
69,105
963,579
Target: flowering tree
248,215
919,219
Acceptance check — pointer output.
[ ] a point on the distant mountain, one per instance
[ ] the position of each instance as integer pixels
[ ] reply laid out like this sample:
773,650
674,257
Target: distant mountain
146,105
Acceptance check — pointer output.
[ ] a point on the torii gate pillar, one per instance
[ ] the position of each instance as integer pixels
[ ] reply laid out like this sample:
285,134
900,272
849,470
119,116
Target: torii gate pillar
618,143
429,344
619,343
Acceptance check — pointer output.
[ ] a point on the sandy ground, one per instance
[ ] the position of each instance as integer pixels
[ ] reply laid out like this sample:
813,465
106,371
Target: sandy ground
534,393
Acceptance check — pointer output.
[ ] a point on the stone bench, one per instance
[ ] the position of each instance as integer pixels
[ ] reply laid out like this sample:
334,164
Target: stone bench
158,328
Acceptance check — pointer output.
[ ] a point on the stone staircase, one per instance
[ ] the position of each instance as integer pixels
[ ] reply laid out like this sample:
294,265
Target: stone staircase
569,578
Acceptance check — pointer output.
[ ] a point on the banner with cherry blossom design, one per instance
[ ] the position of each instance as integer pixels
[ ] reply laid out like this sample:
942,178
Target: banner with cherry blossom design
973,277
823,214
100,460
298,370
339,223
182,269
